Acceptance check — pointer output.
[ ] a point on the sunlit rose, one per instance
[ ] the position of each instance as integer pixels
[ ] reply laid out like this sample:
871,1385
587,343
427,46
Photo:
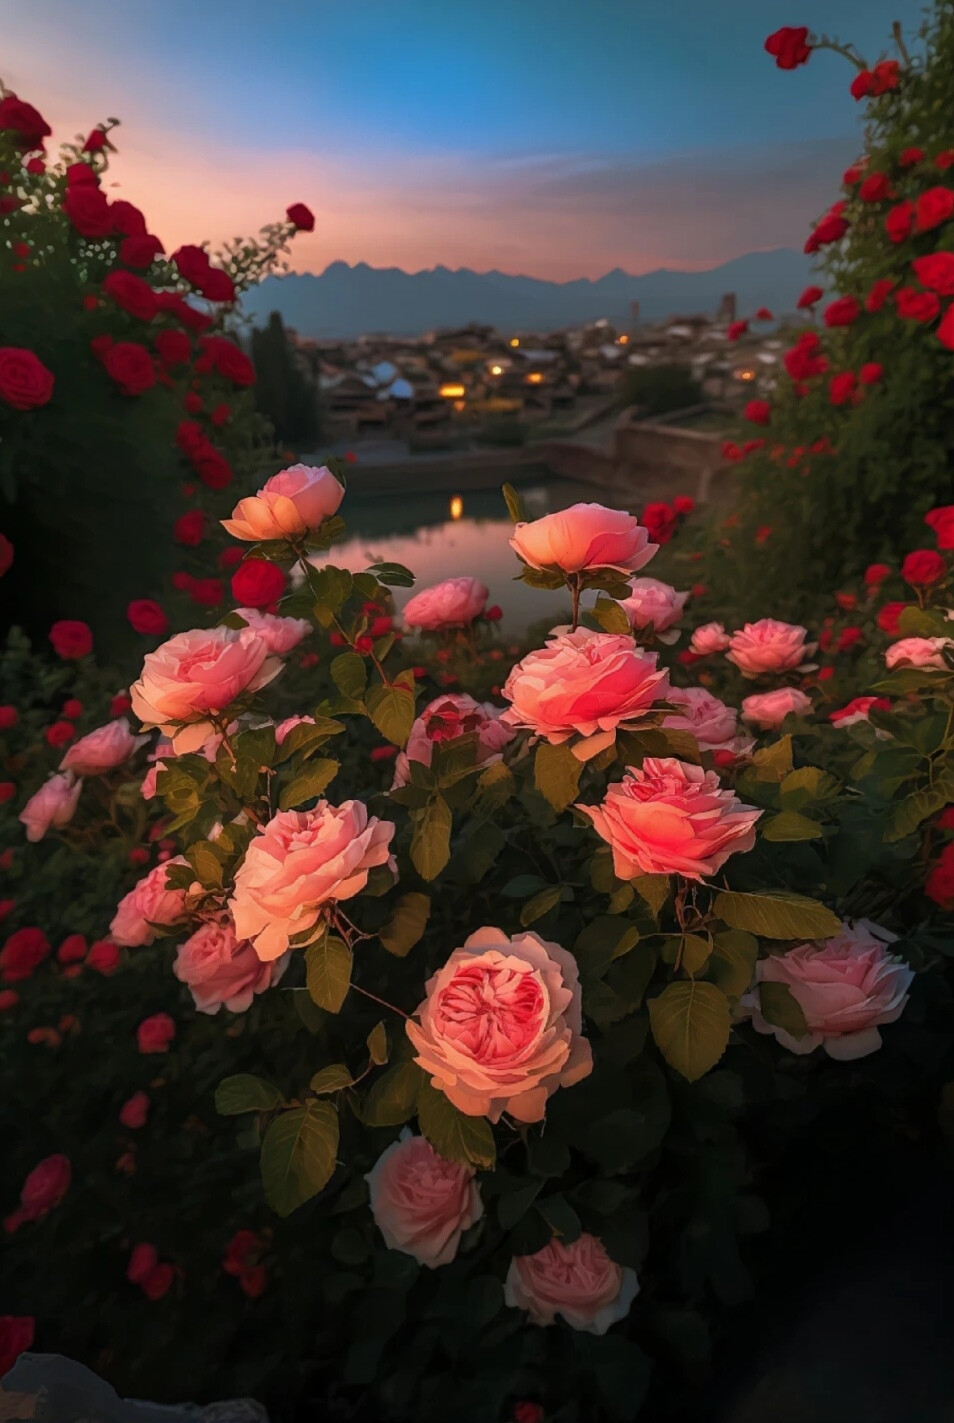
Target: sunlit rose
103,749
770,646
289,505
220,969
582,538
767,710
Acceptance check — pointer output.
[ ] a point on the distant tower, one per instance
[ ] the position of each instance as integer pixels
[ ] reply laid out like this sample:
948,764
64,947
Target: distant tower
634,313
726,312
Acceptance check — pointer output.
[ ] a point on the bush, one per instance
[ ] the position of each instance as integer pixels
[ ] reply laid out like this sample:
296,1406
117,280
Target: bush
657,390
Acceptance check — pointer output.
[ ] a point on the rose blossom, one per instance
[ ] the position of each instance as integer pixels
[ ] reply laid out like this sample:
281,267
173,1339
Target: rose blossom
54,804
155,1033
714,725
767,710
284,727
668,817
857,710
585,682
445,718
134,1113
578,1280
300,862
769,646
279,635
421,1203
218,968
289,505
197,673
845,986
918,652
582,538
653,604
454,603
148,903
42,1191
501,1026
102,750
709,638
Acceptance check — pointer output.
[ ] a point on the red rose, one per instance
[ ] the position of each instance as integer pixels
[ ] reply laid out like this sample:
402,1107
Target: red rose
871,373
683,504
660,519
876,573
810,297
735,329
193,263
88,209
189,528
941,520
831,229
119,705
847,639
21,118
763,314
25,382
884,77
147,617
230,558
302,218
131,367
9,716
802,360
934,207
182,582
81,173
178,308
193,402
945,820
213,469
229,360
8,790
526,1411
923,567
944,160
140,249
16,1336
862,85
888,616
73,708
875,188
207,592
103,957
842,312
191,439
899,221
71,639
72,950
945,331
936,272
217,285
158,1282
155,1033
61,733
940,882
220,414
134,1112
131,293
842,388
758,412
788,46
22,954
910,156
879,294
174,348
257,583
731,451
97,140
914,305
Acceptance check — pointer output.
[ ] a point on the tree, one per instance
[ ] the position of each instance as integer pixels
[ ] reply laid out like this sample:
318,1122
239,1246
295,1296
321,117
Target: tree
284,393
660,389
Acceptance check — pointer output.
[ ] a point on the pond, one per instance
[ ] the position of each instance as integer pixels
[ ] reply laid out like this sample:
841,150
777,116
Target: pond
444,534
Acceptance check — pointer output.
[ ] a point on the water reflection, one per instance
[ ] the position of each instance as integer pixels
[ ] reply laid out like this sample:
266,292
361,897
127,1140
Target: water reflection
416,530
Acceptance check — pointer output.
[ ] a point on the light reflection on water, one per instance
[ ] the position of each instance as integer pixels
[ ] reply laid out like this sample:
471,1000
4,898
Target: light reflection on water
424,532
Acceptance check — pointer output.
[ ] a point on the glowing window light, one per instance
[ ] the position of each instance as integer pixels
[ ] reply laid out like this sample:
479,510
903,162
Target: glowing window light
623,340
453,391
496,370
535,378
456,507
745,375
515,341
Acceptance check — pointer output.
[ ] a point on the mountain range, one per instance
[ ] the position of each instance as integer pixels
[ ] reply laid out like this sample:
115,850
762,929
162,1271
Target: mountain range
348,301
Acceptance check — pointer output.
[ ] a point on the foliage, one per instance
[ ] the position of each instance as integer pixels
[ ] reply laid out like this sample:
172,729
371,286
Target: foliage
284,393
659,389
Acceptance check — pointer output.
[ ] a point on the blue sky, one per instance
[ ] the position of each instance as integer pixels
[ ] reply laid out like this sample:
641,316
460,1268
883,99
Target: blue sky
560,137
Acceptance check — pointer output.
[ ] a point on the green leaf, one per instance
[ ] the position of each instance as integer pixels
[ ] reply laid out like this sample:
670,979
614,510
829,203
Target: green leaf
328,972
923,622
556,774
605,938
406,924
691,1023
395,575
732,965
653,890
392,711
807,786
781,1008
514,504
430,843
298,1155
246,1093
453,1135
540,904
494,788
610,616
696,949
514,1205
392,1097
306,738
331,1079
350,675
908,815
776,914
773,763
208,863
548,579
789,825
331,587
378,1044
309,783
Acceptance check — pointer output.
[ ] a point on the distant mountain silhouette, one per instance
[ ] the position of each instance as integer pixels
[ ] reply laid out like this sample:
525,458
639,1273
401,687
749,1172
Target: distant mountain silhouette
348,301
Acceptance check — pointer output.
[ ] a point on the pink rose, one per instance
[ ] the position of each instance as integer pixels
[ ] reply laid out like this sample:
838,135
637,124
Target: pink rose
917,652
279,635
155,1033
134,1113
148,904
421,1203
501,1027
583,538
845,987
301,862
857,710
714,725
709,638
54,804
453,603
767,710
585,682
289,724
446,718
148,788
653,604
196,674
668,817
103,749
769,646
288,506
578,1281
219,968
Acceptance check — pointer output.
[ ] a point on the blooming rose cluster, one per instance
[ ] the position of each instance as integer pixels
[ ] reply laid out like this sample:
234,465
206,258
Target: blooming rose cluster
445,719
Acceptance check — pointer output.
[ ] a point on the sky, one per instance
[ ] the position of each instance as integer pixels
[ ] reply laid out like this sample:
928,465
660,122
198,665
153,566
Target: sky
557,138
